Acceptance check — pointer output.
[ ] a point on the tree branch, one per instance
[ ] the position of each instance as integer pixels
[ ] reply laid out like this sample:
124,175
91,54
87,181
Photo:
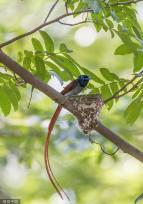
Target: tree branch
41,26
115,95
58,19
66,6
59,98
73,24
121,143
131,89
52,8
29,78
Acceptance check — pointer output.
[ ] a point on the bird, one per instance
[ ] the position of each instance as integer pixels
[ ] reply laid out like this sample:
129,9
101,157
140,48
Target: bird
73,88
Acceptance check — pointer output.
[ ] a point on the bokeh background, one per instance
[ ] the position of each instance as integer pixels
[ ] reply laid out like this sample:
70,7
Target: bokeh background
88,175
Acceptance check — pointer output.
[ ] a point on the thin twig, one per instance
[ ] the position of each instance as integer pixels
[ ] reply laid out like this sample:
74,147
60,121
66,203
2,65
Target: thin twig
120,90
101,147
110,154
31,93
125,3
73,24
131,89
120,142
54,21
41,26
52,8
66,6
115,95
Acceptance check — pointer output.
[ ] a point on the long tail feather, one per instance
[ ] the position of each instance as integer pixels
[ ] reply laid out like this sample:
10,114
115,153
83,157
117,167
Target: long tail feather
52,178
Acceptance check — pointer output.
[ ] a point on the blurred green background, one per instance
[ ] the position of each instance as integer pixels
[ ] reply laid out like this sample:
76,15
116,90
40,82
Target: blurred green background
88,175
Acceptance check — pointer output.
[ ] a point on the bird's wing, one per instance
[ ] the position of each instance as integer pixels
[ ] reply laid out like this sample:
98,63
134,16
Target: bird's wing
69,87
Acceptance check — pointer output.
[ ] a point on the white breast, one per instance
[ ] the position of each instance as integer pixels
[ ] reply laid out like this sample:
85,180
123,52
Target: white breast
75,91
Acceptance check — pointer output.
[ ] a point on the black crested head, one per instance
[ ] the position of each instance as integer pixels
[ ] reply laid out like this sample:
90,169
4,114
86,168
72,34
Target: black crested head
83,80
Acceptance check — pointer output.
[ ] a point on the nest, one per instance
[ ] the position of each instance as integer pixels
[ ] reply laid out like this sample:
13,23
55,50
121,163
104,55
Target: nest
88,108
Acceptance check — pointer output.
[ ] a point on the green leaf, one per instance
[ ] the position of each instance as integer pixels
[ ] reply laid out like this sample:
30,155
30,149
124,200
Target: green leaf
125,37
122,83
49,44
112,33
133,111
139,198
80,7
93,76
114,88
37,45
28,53
1,81
27,62
122,50
12,96
97,20
66,64
109,23
106,93
15,90
40,69
63,74
20,57
95,90
5,77
138,61
63,48
5,103
114,76
107,74
71,59
137,32
136,94
91,87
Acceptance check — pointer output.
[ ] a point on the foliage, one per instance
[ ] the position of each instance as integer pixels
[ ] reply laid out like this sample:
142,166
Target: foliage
46,57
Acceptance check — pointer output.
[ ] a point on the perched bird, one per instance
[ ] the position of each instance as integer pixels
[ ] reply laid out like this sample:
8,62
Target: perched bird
73,88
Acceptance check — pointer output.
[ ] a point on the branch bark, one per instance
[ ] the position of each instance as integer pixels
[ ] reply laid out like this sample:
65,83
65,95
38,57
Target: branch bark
29,78
121,143
60,99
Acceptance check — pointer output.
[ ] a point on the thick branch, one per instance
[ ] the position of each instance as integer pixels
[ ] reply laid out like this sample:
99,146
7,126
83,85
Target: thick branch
59,98
121,143
29,78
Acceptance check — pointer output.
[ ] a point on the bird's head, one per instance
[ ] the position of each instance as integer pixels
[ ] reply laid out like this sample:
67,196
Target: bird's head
83,80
